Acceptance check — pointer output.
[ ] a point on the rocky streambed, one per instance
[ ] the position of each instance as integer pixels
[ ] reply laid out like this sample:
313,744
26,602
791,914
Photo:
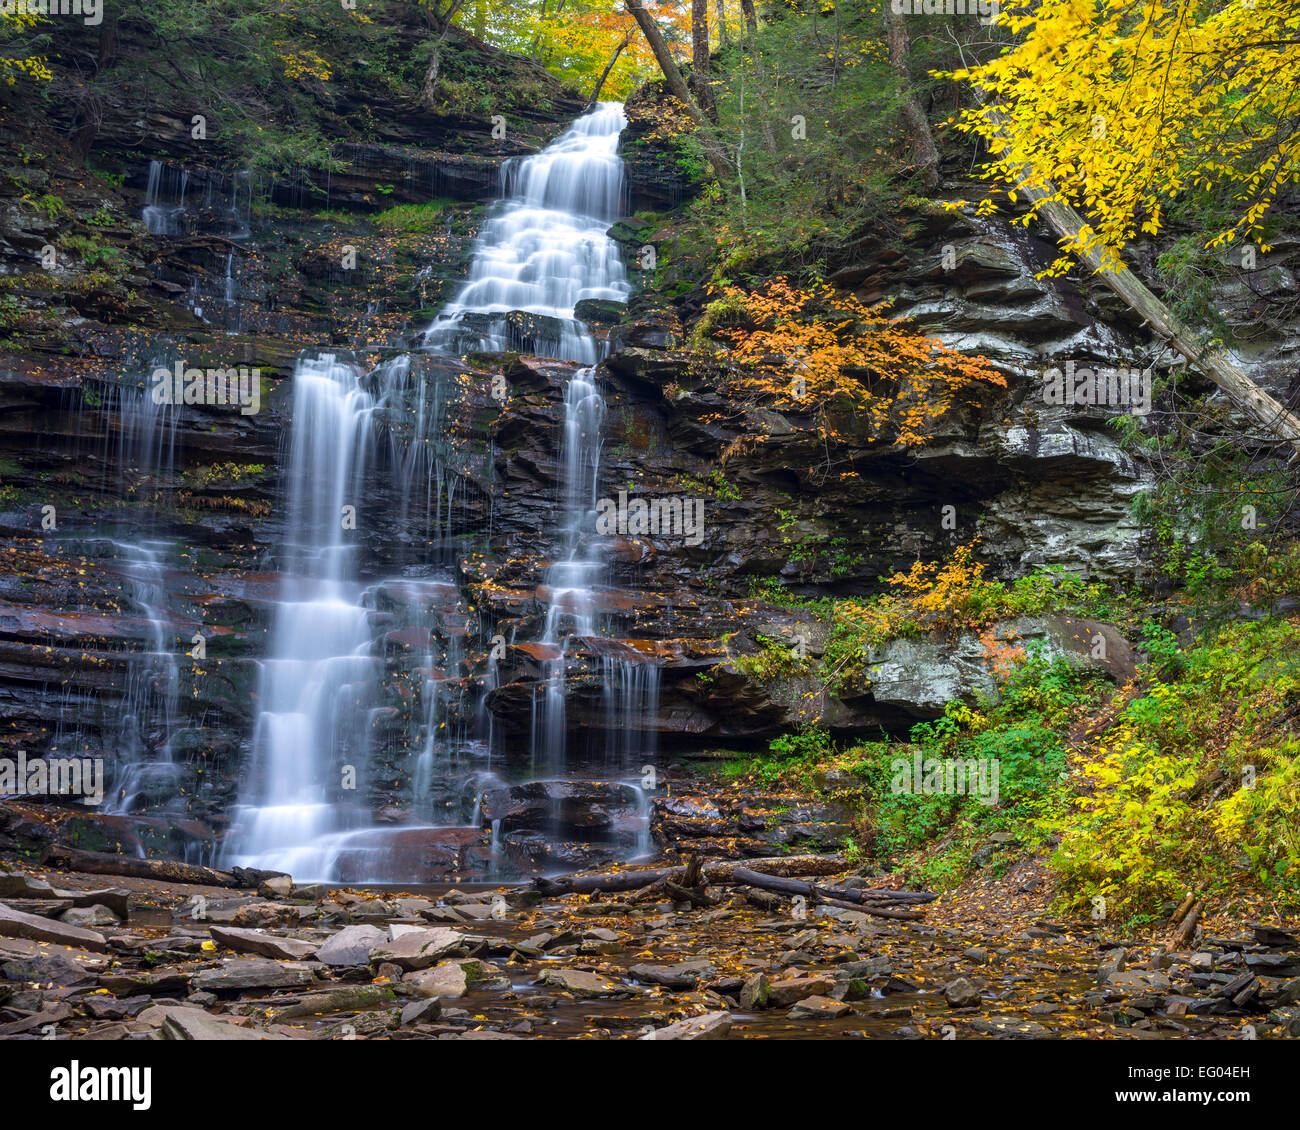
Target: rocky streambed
142,960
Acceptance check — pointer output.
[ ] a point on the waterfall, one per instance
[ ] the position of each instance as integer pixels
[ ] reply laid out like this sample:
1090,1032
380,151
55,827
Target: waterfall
148,715
544,248
542,251
319,683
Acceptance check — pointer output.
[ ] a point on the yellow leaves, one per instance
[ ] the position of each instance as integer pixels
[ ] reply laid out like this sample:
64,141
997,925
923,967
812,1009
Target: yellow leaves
1173,113
303,63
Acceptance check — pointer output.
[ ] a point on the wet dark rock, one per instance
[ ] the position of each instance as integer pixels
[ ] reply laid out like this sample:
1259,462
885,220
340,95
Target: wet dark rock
51,967
960,993
421,1011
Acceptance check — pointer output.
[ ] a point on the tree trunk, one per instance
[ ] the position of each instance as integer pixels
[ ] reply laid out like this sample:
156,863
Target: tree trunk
700,57
751,17
1257,404
429,86
722,23
595,94
677,85
924,153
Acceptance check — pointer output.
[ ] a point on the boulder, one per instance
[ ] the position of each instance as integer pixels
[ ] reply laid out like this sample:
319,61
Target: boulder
960,993
683,975
351,946
819,1008
782,994
447,981
420,947
88,916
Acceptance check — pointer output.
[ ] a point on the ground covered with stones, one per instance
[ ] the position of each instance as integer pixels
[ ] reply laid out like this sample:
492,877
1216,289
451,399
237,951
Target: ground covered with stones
131,959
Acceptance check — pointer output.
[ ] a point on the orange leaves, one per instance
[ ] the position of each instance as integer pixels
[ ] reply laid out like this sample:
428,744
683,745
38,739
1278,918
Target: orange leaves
815,348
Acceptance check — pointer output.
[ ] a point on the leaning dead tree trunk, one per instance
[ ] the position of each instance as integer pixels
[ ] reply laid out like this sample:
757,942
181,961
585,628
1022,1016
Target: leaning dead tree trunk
430,84
925,155
600,83
1257,404
677,84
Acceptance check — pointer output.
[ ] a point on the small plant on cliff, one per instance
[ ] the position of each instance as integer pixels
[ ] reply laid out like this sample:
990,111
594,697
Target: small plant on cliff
778,659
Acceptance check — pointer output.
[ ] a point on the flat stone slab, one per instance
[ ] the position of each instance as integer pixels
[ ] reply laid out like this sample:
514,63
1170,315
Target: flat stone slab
153,982
710,1026
264,945
180,1023
819,1008
587,985
238,974
683,975
351,946
419,948
16,924
782,994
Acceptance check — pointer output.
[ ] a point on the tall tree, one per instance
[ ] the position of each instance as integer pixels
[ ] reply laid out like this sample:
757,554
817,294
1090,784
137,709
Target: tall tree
677,84
700,56
924,153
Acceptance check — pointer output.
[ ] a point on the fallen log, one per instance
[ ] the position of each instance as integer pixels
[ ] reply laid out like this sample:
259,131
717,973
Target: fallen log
1186,931
163,870
718,872
872,909
694,895
836,896
647,884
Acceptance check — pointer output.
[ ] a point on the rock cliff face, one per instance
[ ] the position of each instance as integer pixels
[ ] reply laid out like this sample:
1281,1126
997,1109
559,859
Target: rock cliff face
127,534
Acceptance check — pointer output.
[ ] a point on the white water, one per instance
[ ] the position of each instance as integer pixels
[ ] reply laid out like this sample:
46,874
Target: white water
543,250
320,681
153,688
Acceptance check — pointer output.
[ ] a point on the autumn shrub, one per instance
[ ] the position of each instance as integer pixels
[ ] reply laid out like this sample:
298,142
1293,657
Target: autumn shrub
1023,729
814,349
1197,786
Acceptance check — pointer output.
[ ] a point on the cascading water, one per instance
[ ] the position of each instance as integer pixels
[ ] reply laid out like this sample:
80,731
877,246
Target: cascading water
545,248
542,252
320,681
